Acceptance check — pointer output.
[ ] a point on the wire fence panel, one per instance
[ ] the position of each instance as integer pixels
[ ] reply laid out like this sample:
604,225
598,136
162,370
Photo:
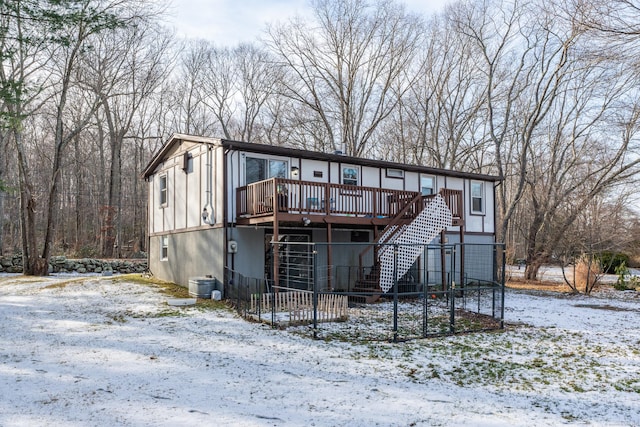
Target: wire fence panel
449,289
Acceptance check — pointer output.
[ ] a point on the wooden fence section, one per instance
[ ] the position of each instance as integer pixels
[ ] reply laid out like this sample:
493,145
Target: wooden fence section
298,306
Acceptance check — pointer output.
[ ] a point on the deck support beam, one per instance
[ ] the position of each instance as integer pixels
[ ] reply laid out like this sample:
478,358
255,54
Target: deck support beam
276,249
329,258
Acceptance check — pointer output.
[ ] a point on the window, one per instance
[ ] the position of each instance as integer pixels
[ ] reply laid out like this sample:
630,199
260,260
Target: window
163,190
477,197
261,169
164,248
427,185
350,175
395,173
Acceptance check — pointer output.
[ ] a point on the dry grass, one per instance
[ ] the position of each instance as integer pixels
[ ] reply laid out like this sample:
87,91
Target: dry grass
538,285
586,270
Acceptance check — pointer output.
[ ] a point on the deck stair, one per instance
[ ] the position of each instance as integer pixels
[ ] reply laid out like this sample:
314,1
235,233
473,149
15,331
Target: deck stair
419,222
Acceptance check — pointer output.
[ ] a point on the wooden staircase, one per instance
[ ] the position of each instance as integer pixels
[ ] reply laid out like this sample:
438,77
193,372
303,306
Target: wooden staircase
369,284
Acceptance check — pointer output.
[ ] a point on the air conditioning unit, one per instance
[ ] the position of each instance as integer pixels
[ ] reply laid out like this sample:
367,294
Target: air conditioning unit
201,287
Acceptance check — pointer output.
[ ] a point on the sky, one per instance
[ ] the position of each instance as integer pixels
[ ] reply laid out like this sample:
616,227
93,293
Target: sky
229,22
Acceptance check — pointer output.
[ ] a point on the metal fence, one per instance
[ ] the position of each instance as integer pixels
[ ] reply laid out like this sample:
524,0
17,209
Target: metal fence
451,289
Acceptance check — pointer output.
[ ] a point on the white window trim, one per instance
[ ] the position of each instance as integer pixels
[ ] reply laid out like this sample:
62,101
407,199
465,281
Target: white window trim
164,244
268,160
394,173
166,190
434,181
342,170
483,198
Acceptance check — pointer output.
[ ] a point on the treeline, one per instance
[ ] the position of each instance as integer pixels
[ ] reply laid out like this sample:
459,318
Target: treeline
542,93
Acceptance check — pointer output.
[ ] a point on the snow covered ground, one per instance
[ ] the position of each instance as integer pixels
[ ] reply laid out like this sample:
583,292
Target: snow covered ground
94,352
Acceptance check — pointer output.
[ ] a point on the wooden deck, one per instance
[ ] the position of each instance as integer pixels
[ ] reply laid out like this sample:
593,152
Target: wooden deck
294,200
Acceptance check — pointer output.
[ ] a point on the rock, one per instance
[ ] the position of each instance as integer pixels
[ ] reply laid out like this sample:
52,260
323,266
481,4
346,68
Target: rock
58,260
81,270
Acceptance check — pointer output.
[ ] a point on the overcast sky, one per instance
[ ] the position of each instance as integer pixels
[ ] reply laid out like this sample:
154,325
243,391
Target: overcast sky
229,22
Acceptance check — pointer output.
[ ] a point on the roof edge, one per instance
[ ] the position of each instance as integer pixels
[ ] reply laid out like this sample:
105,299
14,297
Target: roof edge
317,155
173,139
306,154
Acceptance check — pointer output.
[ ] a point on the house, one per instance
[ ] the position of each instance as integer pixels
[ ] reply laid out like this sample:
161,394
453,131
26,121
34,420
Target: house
217,204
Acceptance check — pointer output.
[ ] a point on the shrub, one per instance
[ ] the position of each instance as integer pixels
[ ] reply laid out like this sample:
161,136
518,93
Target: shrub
625,280
587,271
610,261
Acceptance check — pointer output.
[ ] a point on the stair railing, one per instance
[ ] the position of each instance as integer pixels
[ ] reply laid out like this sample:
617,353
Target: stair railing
407,213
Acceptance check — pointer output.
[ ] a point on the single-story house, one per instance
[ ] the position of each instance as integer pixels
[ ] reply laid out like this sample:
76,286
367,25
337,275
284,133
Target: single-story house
217,205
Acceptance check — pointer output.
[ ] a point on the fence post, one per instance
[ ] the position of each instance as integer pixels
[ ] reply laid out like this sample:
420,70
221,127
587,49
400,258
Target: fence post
504,267
395,292
273,306
315,292
452,292
425,289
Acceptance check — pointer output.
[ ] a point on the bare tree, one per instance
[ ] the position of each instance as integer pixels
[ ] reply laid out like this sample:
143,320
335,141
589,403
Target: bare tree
47,39
524,62
188,97
123,69
438,122
344,66
605,225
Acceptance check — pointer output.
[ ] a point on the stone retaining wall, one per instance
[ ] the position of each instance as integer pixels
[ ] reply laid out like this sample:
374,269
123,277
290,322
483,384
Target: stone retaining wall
61,264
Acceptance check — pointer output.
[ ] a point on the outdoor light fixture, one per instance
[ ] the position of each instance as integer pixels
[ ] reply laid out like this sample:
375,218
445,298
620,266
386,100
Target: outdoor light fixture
306,221
295,171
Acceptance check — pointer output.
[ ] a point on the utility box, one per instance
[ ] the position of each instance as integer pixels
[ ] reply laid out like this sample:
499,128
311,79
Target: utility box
201,287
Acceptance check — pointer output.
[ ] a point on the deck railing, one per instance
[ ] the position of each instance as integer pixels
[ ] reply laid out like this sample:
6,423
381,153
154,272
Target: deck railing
306,197
453,199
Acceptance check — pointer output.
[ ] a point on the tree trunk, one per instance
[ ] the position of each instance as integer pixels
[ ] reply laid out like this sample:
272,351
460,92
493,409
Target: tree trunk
1,218
78,202
32,264
113,202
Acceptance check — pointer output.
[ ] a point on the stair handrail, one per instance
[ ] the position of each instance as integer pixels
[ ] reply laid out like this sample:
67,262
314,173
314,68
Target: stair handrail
395,222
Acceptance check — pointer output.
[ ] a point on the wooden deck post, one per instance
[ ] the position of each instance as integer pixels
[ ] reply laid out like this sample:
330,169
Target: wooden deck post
276,240
443,260
461,255
276,255
329,258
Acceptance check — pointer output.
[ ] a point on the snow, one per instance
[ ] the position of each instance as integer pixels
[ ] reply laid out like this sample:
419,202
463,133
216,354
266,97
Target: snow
91,351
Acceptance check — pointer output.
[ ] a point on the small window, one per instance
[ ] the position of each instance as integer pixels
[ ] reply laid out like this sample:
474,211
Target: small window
427,185
164,248
477,197
395,173
350,175
163,190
